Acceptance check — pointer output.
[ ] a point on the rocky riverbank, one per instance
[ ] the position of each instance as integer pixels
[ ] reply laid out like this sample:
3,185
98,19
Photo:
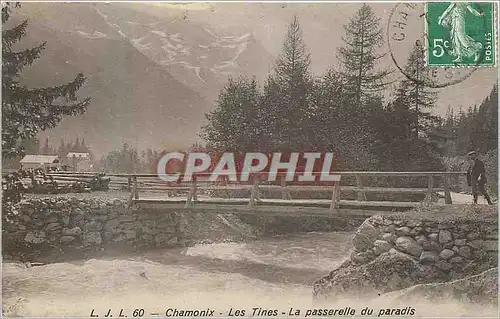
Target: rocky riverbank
39,225
429,245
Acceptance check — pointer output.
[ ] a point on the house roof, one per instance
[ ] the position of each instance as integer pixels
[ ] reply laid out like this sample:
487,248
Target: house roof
41,159
77,155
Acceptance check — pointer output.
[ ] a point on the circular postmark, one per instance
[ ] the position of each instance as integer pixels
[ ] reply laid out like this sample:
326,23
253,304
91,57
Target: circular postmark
408,29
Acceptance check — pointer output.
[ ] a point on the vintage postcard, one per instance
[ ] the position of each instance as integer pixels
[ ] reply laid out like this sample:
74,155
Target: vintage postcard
250,159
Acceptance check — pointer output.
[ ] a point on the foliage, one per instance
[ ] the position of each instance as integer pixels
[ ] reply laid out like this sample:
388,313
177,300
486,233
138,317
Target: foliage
25,111
410,137
347,102
12,189
77,146
287,93
124,160
31,146
279,118
343,110
476,129
491,165
127,160
340,128
413,99
235,123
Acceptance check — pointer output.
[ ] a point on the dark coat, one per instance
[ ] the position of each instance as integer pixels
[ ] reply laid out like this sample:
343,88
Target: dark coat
476,173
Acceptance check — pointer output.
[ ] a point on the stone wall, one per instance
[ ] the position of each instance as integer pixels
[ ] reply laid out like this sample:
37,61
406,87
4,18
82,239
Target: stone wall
397,251
73,224
449,245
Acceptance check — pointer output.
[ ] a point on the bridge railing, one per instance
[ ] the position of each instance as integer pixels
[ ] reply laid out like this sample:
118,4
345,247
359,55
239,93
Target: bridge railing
150,182
136,183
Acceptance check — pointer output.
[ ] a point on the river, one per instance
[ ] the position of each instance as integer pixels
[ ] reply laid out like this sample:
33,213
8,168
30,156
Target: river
270,273
258,272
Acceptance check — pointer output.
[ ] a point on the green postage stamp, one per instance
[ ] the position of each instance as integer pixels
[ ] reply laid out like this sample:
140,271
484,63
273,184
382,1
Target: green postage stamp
461,34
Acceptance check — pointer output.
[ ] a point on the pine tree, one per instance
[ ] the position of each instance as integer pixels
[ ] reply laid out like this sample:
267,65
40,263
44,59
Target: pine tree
287,92
491,125
69,148
338,128
76,147
83,147
235,124
483,123
450,132
31,146
358,57
26,112
476,129
413,98
61,151
327,106
271,106
463,132
125,160
411,134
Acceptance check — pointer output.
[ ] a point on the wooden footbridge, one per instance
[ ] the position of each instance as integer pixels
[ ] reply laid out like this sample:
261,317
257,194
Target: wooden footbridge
202,195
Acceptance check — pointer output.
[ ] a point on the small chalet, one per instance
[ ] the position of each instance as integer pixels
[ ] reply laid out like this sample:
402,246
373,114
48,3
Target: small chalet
79,161
40,161
80,156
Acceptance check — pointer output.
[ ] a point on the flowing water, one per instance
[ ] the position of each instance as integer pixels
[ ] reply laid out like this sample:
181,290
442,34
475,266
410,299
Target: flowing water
270,273
258,273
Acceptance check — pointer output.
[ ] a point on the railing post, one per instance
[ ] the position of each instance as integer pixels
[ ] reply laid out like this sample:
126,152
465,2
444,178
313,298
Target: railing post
361,196
254,196
136,189
430,188
338,192
225,183
284,193
446,186
335,197
283,185
132,191
194,188
192,194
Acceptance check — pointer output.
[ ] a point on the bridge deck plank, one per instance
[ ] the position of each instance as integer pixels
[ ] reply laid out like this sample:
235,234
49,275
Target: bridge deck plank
280,202
261,210
294,188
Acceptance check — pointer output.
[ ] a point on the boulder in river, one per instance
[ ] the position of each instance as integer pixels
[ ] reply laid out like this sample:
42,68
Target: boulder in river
365,236
391,271
478,289
409,246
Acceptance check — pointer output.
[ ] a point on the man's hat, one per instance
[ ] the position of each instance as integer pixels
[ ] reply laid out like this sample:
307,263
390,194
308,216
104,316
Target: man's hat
471,153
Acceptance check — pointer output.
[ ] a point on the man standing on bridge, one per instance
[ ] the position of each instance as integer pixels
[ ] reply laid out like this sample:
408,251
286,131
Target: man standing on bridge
476,177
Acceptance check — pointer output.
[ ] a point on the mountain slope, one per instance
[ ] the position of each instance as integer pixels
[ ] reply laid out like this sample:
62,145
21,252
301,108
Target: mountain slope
134,100
151,79
193,52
